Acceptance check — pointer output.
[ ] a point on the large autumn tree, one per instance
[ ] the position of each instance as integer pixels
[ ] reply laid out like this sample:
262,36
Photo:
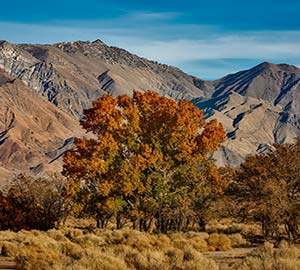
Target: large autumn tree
147,162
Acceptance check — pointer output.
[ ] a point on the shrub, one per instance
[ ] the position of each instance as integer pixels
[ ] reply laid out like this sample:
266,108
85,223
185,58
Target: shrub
269,258
54,250
31,203
237,240
194,260
219,242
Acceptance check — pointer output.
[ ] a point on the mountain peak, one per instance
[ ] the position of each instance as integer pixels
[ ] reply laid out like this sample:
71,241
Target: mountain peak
99,42
274,83
266,64
277,67
5,43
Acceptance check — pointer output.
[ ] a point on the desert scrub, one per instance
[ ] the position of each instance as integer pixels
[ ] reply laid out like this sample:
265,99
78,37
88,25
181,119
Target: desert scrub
194,260
237,240
268,258
227,226
202,241
70,249
219,242
198,241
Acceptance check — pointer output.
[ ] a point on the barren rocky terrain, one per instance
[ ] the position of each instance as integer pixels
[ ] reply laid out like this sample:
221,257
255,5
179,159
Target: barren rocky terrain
258,107
44,89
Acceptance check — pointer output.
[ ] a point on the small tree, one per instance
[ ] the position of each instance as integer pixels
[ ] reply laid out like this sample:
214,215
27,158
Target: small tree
33,203
267,189
148,161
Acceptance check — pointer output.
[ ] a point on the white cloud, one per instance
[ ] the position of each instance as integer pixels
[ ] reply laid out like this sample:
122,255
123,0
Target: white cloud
178,51
175,44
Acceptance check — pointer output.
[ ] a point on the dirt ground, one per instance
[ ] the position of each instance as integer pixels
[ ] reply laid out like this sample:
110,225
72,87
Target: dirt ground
7,263
228,258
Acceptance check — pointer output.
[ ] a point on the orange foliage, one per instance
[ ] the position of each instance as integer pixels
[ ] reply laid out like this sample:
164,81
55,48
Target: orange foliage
141,142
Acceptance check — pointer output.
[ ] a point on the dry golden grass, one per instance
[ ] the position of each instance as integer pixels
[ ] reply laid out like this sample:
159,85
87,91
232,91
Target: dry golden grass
125,249
70,249
219,242
227,226
237,240
284,257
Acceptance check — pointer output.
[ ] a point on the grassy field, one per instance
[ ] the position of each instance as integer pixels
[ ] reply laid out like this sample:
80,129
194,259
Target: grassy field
110,250
126,249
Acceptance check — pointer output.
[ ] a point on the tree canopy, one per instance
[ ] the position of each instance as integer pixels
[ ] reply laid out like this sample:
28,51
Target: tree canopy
149,155
33,203
266,187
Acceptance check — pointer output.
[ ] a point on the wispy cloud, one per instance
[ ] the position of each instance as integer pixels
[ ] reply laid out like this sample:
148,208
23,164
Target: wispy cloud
156,36
226,46
148,15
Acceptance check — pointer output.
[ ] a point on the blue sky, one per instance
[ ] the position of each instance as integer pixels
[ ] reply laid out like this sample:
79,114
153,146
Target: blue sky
208,39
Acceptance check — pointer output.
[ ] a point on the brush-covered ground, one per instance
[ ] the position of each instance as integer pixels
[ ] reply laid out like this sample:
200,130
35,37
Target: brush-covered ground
95,249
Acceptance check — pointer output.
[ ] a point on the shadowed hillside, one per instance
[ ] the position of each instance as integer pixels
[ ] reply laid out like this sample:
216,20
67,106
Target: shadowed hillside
258,107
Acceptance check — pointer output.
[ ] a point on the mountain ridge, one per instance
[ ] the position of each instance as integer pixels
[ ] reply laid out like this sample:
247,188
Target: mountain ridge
72,66
258,107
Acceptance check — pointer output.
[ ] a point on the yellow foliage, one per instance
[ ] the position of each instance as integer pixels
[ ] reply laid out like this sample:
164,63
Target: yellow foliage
146,146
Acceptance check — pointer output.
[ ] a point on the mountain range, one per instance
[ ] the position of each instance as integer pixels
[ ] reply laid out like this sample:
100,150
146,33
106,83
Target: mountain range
44,89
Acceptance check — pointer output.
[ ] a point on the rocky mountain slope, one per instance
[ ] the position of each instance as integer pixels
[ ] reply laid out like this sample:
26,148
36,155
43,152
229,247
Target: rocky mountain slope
33,132
258,107
44,88
73,74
